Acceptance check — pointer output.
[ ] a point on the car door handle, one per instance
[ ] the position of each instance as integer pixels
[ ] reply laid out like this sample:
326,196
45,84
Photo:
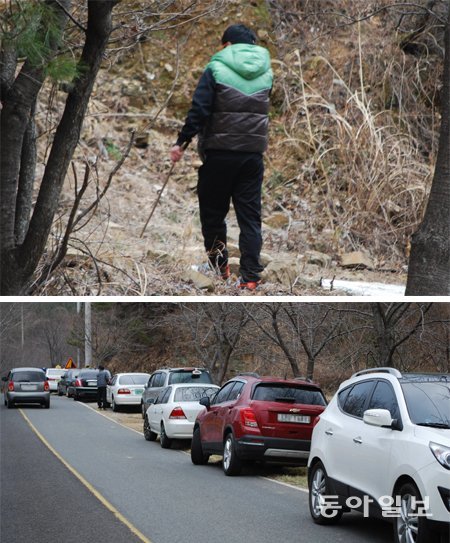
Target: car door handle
329,432
357,440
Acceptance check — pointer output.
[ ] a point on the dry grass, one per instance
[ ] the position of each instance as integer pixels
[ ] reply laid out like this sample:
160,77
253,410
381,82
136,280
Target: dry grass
362,162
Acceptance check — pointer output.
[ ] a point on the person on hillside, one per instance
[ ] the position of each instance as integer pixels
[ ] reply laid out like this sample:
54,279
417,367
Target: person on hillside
103,378
229,113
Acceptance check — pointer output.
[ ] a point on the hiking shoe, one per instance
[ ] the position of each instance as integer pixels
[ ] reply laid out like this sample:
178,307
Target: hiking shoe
225,272
249,285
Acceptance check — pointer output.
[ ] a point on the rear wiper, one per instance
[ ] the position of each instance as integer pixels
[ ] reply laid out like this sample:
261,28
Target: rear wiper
435,425
287,400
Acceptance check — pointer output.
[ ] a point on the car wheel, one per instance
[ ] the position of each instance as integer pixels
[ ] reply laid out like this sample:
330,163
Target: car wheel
47,405
143,410
60,392
114,406
197,456
9,404
165,441
148,434
231,463
319,489
410,525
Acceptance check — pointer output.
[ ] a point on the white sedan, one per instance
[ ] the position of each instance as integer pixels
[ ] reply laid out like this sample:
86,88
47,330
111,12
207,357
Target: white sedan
53,376
126,389
173,414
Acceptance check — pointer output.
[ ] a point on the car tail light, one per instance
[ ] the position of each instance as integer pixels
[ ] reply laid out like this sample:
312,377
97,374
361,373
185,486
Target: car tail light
46,385
124,391
248,418
316,420
11,386
177,413
78,383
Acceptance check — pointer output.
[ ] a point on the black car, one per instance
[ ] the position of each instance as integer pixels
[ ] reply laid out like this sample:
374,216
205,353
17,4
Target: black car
85,385
65,384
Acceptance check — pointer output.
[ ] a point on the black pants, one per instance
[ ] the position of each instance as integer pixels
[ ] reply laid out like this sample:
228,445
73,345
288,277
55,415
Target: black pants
233,176
101,398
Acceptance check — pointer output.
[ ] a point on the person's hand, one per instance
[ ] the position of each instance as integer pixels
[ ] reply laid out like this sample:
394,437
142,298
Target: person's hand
176,153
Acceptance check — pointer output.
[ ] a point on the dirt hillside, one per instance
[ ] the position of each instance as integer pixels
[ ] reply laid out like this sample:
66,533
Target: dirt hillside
324,197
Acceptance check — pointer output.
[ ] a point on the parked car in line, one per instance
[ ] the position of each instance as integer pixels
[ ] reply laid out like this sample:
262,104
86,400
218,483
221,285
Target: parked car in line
65,384
126,389
26,386
173,414
85,385
257,418
53,376
169,376
382,447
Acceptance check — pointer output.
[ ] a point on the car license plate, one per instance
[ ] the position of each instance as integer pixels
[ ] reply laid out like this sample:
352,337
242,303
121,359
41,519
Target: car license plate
299,419
138,390
92,384
29,388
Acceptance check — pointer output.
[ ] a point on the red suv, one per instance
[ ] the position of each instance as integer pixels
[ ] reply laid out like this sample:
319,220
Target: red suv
257,418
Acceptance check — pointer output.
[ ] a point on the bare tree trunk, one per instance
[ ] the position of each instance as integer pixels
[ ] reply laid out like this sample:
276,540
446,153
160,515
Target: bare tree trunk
429,264
19,262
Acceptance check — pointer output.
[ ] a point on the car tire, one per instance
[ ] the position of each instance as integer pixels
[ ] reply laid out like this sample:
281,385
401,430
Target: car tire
198,457
231,463
9,404
143,410
47,405
114,406
165,441
148,433
319,487
408,526
59,392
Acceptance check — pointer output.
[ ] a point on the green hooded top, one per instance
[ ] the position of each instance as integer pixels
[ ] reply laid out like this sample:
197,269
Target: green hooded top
243,81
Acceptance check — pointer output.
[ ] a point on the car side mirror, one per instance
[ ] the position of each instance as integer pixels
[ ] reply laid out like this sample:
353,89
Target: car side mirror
205,401
378,417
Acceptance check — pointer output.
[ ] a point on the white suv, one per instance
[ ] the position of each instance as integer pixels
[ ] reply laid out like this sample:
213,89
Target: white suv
382,447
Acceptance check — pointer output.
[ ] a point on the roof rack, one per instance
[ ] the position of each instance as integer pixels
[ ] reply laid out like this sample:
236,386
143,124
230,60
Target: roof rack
248,374
392,371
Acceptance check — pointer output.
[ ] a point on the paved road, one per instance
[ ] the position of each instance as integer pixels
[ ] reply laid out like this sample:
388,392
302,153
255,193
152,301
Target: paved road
160,492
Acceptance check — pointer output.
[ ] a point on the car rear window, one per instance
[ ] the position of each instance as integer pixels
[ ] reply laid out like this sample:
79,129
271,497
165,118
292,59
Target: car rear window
192,394
189,376
287,393
133,379
55,372
28,376
88,374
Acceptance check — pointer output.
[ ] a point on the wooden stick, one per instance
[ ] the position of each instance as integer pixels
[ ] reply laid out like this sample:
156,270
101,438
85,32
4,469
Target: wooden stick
160,192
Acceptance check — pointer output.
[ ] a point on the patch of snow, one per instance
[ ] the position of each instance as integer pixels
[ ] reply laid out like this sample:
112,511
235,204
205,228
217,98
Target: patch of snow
360,288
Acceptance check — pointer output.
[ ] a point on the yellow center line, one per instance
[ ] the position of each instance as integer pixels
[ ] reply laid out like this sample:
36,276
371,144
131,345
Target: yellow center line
87,484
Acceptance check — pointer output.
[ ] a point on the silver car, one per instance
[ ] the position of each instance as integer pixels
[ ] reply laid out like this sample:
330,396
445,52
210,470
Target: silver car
26,385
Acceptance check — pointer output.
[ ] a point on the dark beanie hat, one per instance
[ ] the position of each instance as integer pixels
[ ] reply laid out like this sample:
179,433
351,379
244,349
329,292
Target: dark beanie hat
238,34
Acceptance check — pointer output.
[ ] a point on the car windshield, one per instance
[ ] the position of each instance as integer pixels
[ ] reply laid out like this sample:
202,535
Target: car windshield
28,376
428,403
133,379
288,393
189,377
192,394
